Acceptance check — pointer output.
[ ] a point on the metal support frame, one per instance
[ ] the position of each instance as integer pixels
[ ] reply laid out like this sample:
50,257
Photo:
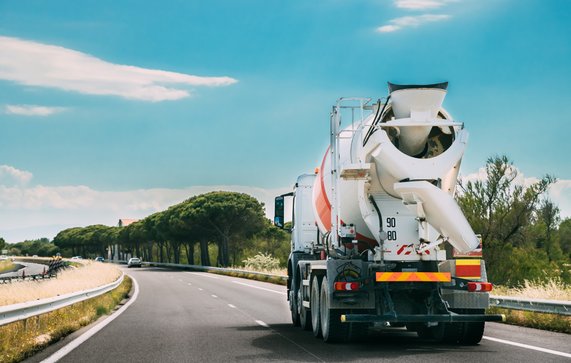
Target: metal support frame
335,129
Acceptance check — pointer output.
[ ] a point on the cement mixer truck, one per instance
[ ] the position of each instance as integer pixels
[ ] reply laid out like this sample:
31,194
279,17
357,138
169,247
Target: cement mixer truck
376,231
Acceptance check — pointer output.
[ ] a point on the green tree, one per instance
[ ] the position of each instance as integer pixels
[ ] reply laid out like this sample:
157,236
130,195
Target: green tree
502,211
2,243
231,218
564,237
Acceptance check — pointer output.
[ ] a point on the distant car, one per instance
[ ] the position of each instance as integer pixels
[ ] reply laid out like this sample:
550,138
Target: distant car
99,259
134,262
77,258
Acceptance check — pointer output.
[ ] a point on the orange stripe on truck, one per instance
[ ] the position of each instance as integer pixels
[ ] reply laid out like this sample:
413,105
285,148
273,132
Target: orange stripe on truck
413,277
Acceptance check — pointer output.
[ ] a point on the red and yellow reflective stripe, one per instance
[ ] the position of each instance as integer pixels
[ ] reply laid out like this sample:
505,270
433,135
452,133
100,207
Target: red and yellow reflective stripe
413,277
469,269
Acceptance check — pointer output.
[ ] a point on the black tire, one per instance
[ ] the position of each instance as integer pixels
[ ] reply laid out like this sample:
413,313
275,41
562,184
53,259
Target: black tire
332,329
447,333
304,313
472,332
293,307
358,332
315,308
422,331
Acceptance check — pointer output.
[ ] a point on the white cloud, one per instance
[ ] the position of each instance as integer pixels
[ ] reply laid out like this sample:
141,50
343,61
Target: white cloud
411,22
420,4
36,64
42,211
10,175
32,110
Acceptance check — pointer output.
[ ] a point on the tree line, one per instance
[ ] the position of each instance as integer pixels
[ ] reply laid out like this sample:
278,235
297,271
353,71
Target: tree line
218,228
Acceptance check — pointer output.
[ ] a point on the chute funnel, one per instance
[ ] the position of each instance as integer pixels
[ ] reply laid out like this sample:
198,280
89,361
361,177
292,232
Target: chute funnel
420,103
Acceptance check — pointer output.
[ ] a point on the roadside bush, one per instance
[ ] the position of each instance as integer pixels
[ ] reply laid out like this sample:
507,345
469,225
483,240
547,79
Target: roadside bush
262,262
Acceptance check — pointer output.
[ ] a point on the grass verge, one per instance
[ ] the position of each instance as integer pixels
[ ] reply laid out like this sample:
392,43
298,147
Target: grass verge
89,275
22,339
6,265
554,289
552,322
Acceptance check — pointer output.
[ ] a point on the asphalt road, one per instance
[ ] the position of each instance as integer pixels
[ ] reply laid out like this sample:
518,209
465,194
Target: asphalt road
28,268
200,317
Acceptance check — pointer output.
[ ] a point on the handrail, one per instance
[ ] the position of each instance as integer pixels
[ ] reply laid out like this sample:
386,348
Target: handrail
15,312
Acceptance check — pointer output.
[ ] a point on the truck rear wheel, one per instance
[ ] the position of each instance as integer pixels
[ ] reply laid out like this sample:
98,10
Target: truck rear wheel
332,329
304,313
472,332
315,308
448,333
293,307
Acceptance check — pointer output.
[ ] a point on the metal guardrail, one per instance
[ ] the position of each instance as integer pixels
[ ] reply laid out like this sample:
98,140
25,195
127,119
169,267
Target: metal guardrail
15,312
535,305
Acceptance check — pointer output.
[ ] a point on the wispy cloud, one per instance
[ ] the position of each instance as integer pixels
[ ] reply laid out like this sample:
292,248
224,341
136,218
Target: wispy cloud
36,64
421,4
32,211
411,22
10,175
32,110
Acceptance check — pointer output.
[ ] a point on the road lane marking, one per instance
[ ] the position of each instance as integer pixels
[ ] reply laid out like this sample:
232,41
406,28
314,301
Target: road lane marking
526,346
232,306
91,332
214,296
180,280
189,284
203,274
258,287
259,322
199,289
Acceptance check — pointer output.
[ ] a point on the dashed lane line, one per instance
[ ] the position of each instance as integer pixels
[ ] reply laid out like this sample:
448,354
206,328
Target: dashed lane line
259,322
259,287
204,274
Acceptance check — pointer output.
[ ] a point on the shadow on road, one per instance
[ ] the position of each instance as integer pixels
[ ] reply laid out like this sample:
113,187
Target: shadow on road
301,346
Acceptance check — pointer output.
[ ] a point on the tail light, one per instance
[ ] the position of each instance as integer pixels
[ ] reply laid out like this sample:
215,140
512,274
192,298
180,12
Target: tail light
479,286
347,286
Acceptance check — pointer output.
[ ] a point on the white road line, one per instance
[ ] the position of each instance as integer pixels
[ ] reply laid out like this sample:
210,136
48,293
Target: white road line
179,280
232,306
91,332
259,322
203,274
258,287
214,296
189,284
526,346
199,289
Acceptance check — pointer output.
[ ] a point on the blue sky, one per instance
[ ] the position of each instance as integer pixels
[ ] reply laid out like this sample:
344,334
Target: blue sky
117,109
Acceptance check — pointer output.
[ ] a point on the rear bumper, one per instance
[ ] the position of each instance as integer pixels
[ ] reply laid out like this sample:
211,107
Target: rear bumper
419,318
